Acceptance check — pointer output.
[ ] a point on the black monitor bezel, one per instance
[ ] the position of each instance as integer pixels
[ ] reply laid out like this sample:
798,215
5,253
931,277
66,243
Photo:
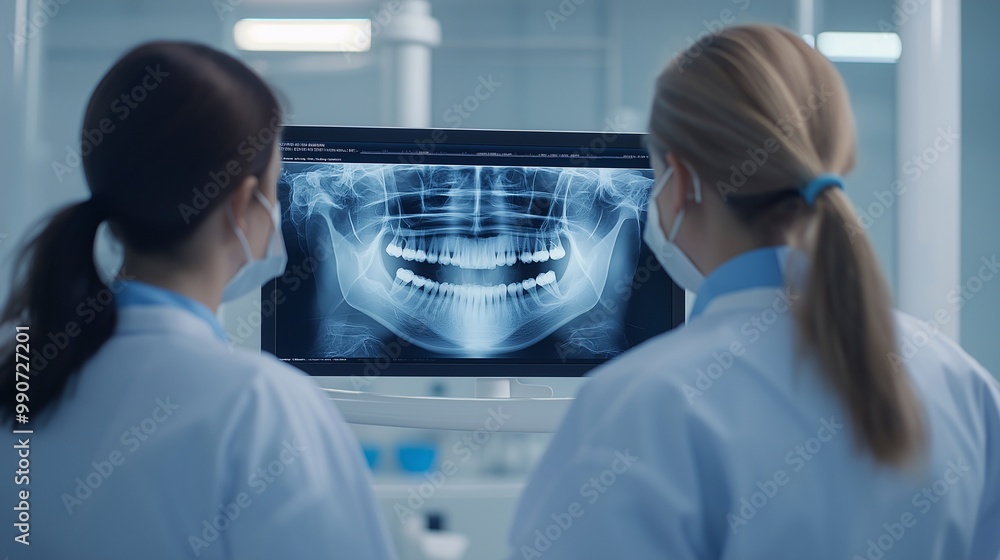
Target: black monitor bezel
587,144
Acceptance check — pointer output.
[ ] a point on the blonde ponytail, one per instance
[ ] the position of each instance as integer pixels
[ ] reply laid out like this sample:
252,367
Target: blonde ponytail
845,317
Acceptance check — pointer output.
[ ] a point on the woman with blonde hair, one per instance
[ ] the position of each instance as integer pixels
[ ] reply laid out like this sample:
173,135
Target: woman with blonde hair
784,419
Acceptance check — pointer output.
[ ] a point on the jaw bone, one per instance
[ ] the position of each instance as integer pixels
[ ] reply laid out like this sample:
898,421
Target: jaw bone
469,260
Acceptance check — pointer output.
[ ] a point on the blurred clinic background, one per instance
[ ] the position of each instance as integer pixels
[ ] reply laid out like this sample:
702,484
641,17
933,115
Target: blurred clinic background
924,93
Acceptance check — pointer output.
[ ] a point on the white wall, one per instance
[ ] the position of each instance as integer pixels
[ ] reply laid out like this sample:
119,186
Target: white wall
980,181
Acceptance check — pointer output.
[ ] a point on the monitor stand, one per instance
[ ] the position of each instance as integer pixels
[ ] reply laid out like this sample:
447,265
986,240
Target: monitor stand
500,404
509,387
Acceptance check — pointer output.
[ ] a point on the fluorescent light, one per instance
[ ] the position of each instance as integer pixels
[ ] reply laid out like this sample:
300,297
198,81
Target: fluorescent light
312,35
860,47
810,40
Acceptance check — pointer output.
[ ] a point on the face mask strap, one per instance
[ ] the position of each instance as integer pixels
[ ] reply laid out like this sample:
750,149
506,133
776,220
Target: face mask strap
697,181
264,201
697,198
676,227
239,234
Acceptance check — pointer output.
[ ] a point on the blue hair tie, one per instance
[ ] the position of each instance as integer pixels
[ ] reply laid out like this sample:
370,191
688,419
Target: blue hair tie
820,184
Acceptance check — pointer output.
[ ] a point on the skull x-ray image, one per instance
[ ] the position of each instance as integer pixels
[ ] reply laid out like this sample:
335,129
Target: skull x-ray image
467,261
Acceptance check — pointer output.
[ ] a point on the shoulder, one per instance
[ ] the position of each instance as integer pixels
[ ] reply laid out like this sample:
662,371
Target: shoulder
264,406
260,383
162,338
927,353
225,370
666,365
174,354
655,385
955,389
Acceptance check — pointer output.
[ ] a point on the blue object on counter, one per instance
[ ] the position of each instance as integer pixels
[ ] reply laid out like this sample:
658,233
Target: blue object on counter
417,457
372,454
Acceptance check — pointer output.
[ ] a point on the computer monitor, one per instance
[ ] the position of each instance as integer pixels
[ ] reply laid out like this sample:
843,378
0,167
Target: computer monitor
472,253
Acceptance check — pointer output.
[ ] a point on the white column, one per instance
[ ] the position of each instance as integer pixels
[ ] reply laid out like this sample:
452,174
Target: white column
13,123
407,42
929,105
807,17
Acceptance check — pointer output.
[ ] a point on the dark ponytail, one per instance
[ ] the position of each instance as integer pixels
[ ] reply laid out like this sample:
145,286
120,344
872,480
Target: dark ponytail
56,273
168,132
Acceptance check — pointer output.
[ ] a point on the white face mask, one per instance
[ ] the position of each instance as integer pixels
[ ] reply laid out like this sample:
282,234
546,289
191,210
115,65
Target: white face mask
256,272
674,261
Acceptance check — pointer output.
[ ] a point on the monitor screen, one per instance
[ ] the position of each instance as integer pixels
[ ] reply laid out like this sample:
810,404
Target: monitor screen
476,253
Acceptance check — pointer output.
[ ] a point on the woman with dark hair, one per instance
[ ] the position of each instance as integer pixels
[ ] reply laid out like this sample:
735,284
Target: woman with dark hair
151,437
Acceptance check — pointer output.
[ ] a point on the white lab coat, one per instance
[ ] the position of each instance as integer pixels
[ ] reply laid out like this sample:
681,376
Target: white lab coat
683,450
172,446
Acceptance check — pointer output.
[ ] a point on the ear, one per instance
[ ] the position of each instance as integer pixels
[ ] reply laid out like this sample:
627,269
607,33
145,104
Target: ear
241,199
683,183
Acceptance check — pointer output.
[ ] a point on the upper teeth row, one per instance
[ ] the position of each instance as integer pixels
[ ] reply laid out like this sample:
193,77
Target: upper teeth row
406,276
475,253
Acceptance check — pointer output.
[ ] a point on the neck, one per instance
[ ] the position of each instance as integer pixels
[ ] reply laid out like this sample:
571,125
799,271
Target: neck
200,283
722,241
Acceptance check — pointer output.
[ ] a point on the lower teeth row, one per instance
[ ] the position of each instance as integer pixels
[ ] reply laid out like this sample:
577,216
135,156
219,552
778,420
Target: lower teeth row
406,277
